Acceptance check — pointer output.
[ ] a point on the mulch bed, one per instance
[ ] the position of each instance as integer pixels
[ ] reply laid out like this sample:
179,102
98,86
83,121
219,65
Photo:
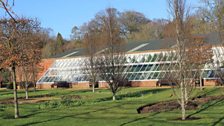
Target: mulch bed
26,101
38,98
173,104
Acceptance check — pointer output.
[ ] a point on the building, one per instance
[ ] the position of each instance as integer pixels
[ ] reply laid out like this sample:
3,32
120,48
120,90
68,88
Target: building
145,65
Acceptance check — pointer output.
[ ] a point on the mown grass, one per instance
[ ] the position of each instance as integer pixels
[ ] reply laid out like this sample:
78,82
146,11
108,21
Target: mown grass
97,109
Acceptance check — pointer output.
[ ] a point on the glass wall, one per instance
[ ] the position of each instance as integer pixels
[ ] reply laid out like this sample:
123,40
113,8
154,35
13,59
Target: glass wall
141,66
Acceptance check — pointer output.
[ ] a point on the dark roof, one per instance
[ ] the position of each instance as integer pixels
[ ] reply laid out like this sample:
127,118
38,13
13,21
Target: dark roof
158,44
71,53
211,38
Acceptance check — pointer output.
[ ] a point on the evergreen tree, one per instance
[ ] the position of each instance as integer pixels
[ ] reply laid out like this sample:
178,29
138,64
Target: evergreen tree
60,43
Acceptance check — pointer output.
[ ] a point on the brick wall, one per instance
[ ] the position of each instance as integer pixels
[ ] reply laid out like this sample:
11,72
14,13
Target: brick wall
103,85
44,86
133,84
210,82
143,83
81,85
43,66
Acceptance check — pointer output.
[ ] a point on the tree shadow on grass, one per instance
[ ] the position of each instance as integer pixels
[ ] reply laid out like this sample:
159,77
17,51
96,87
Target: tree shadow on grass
21,92
138,119
133,94
205,107
71,116
210,91
218,121
29,115
5,91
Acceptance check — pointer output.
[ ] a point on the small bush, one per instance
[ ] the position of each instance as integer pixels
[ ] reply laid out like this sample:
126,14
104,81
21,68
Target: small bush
22,84
8,115
65,101
2,107
50,104
9,86
62,84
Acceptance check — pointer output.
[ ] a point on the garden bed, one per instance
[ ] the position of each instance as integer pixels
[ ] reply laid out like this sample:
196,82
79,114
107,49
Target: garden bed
173,104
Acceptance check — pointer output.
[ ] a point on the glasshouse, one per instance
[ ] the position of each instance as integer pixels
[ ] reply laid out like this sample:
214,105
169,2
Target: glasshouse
146,64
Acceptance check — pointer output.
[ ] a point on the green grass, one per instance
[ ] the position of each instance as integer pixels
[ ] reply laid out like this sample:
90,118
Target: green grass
98,109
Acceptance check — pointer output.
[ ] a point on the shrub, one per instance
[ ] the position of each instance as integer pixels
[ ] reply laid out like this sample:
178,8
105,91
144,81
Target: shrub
65,101
2,107
50,104
62,84
22,84
9,86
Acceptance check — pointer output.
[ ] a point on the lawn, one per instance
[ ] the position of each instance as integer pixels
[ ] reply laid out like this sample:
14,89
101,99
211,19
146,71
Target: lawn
97,109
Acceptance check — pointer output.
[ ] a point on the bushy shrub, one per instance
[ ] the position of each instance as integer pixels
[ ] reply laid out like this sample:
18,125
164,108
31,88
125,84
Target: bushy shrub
65,101
22,84
9,86
50,104
62,84
2,107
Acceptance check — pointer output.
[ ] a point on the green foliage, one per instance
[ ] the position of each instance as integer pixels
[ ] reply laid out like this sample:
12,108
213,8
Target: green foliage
9,85
60,40
2,107
49,49
5,76
148,58
64,102
154,57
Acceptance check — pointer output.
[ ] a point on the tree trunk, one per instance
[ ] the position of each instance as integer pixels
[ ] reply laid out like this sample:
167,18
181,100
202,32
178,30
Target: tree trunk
15,91
33,77
182,101
93,87
27,96
114,97
26,82
201,82
185,93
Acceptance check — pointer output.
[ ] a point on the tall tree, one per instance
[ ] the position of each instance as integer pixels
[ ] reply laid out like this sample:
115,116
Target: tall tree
200,55
8,39
10,50
213,12
181,73
60,43
60,40
76,33
112,59
132,21
31,48
90,69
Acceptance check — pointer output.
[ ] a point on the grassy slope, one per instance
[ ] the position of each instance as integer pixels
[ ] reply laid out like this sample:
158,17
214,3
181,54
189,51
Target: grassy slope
99,110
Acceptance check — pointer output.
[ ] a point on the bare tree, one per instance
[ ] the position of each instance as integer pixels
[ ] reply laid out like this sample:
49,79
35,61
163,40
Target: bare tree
9,54
200,54
16,49
91,40
7,40
31,49
112,59
181,73
213,12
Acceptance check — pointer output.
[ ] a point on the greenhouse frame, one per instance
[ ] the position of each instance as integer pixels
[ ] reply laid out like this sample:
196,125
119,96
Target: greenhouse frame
145,62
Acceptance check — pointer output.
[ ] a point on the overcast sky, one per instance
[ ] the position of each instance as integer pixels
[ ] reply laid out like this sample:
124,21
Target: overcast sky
62,15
